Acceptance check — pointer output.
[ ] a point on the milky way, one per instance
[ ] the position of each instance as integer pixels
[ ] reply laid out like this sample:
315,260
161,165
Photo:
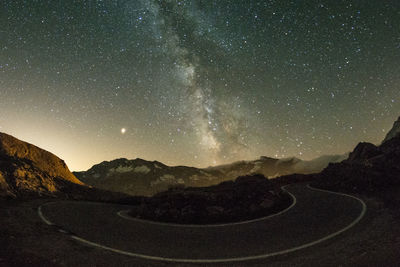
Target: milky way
214,121
198,82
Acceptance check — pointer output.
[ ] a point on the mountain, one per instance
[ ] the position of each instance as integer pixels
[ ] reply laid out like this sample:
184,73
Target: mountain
362,152
370,169
394,131
27,169
271,167
141,177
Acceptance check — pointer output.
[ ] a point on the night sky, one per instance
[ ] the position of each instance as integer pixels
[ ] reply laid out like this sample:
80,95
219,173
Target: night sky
200,82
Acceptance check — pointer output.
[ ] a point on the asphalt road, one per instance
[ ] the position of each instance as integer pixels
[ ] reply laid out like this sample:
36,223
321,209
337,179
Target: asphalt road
316,217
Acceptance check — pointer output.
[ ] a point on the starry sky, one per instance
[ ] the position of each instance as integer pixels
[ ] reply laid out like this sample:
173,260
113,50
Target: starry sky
200,82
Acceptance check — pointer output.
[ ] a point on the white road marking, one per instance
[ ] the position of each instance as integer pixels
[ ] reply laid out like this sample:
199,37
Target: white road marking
42,216
123,214
256,257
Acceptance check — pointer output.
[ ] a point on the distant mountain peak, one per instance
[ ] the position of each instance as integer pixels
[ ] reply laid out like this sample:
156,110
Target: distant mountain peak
394,131
142,177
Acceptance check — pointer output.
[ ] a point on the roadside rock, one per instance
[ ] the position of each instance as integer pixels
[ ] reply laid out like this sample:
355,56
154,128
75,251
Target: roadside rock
245,198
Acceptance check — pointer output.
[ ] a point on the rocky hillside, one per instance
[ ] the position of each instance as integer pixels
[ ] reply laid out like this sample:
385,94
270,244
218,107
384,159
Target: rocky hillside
27,169
247,197
141,177
369,169
394,131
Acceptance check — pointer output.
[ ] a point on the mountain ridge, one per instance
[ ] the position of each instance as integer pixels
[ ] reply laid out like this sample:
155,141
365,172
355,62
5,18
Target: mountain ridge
371,170
139,176
28,169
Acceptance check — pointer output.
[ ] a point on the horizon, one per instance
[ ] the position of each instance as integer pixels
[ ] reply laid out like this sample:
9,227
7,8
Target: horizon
199,167
198,83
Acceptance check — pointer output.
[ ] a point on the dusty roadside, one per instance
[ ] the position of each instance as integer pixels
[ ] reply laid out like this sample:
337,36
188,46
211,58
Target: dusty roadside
26,241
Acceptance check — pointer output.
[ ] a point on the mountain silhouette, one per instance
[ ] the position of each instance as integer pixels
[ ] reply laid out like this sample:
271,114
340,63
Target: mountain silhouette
369,169
393,131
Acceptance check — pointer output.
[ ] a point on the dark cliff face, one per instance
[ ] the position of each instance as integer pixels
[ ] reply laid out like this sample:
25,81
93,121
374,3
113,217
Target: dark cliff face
363,151
394,131
370,169
25,168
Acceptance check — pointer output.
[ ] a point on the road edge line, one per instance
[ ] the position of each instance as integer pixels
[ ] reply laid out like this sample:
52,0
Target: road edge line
238,259
122,214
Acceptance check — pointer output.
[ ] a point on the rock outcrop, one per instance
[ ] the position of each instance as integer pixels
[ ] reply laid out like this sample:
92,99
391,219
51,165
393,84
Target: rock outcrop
363,151
28,169
247,197
394,131
369,170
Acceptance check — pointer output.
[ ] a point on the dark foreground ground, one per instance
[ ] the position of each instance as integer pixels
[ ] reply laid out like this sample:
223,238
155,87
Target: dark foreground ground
245,198
27,241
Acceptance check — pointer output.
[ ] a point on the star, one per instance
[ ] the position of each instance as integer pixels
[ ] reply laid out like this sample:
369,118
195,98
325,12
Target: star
230,80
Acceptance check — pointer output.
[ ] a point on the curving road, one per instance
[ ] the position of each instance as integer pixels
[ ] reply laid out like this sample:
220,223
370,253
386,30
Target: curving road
316,216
